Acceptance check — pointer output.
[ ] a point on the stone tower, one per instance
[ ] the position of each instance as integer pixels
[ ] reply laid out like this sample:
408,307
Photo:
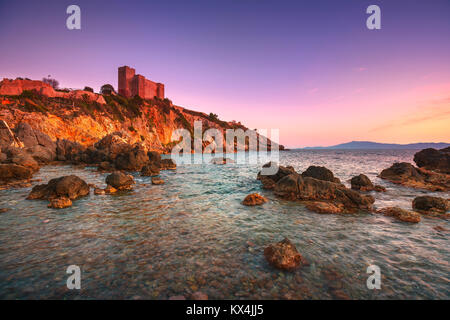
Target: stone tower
132,84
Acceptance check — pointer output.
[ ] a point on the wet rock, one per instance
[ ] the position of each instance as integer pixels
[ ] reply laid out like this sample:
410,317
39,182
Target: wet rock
177,298
132,160
254,199
22,158
435,160
325,207
440,228
67,150
60,203
154,157
71,187
113,145
157,181
110,190
3,210
167,164
400,214
199,296
379,188
283,255
297,187
406,174
320,173
120,180
98,191
151,169
269,181
221,160
13,172
427,205
362,183
105,166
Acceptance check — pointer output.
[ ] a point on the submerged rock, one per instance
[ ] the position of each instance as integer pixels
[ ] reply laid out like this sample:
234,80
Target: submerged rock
432,159
320,173
157,181
400,214
254,199
406,174
60,203
431,205
120,180
325,207
221,160
283,255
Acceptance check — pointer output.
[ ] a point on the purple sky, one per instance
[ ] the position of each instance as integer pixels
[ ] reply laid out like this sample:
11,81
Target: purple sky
310,68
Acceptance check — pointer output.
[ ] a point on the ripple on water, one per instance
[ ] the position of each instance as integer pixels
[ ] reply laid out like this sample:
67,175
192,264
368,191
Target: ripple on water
193,234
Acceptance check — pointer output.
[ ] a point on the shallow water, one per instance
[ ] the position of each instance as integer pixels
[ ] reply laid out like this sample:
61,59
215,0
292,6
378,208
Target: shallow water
193,234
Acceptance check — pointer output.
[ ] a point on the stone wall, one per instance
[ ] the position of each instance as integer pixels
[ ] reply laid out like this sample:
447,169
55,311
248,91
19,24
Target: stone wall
132,84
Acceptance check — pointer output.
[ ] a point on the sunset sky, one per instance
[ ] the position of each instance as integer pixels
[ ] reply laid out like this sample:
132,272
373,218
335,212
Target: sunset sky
309,68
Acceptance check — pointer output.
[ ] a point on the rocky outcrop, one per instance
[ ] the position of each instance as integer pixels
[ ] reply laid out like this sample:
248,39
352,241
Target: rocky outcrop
435,160
268,181
283,255
363,183
400,214
71,187
320,173
254,199
335,197
132,160
406,174
167,164
431,205
120,181
7,137
60,203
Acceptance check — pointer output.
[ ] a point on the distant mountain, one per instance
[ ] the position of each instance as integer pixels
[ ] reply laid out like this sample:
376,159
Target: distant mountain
376,145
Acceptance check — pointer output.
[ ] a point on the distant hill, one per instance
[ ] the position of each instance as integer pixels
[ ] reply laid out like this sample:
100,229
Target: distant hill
376,145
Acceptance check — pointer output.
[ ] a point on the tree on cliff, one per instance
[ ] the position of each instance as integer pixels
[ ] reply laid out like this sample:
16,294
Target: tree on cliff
107,89
53,82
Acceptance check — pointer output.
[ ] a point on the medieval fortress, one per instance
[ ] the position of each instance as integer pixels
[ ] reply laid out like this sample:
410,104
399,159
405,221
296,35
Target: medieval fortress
132,84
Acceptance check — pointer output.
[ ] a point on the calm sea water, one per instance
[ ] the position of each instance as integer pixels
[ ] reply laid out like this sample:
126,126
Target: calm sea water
193,234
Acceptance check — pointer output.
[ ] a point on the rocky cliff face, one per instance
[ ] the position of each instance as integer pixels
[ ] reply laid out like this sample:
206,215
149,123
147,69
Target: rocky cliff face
86,117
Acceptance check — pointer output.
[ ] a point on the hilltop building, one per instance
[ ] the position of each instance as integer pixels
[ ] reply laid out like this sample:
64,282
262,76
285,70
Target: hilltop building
132,84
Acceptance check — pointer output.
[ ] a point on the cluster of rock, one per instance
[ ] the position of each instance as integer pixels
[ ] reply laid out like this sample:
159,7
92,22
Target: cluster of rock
432,173
317,188
24,150
363,183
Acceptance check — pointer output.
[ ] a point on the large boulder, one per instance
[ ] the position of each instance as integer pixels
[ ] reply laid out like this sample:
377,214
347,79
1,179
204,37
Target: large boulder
12,172
154,156
400,214
113,145
320,173
283,255
406,174
362,183
132,160
120,180
71,187
427,204
33,137
67,150
167,164
432,159
21,157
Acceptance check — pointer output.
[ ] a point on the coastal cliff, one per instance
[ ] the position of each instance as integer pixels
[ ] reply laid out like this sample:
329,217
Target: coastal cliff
85,117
